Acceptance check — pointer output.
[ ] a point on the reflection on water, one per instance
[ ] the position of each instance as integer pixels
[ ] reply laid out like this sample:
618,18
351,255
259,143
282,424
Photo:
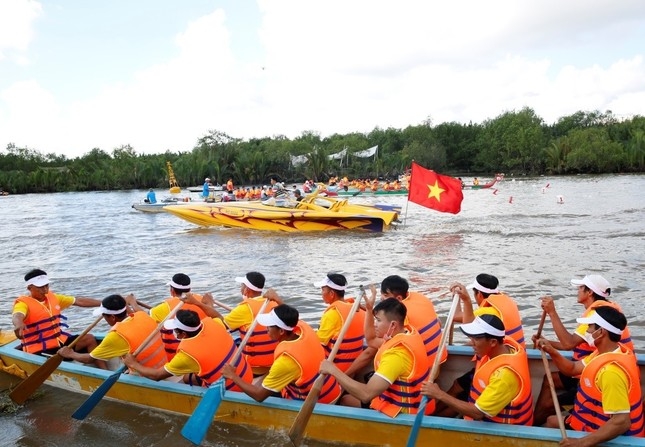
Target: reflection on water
95,244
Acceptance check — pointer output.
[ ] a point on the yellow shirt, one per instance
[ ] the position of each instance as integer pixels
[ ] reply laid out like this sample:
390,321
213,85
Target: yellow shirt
284,371
160,311
395,362
614,384
502,387
487,310
331,324
113,345
65,301
240,316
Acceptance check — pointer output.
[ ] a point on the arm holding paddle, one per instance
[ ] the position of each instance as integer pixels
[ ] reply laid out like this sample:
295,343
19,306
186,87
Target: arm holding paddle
566,340
463,314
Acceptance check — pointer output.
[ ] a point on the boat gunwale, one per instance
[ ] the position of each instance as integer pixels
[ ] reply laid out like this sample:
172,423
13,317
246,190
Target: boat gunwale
334,411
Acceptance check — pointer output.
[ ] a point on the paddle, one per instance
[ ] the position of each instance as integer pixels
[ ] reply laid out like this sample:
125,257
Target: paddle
554,395
27,387
297,430
539,331
92,401
198,423
414,432
222,305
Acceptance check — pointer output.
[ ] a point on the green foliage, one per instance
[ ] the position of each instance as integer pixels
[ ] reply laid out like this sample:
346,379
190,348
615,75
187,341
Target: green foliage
515,142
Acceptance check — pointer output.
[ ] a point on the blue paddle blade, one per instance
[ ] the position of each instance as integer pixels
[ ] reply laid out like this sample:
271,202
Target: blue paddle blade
198,423
414,433
92,401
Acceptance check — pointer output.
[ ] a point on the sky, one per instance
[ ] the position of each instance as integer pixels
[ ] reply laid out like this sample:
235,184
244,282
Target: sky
159,74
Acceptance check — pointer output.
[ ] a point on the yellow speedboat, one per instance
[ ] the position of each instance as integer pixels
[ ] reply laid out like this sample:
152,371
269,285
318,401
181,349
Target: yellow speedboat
311,214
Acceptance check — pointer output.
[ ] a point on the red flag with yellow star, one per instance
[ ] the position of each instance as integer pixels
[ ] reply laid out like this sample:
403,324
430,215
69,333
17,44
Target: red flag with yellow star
436,191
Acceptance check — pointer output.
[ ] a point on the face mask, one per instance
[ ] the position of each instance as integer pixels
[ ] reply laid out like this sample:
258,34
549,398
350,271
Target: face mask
589,338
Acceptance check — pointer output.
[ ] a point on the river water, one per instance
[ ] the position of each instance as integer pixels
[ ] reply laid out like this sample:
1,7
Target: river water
533,237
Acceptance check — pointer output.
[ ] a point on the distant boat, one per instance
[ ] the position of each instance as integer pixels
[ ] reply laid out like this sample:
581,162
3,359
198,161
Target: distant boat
498,178
157,207
211,188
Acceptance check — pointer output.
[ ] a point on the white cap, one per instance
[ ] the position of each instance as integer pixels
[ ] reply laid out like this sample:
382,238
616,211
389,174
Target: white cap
594,318
595,282
38,281
174,323
103,310
329,283
272,319
244,280
483,325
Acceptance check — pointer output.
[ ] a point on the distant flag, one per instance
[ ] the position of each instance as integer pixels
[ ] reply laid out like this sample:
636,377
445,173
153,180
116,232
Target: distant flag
436,191
510,199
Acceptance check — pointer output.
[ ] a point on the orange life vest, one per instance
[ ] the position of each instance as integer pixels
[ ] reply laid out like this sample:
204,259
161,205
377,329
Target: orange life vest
520,410
259,349
583,349
352,344
307,352
422,317
42,324
587,414
511,318
135,329
212,348
167,335
404,395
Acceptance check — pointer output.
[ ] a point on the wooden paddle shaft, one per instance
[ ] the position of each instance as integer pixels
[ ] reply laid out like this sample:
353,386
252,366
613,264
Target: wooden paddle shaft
222,305
540,326
247,337
445,335
297,430
154,333
27,387
554,395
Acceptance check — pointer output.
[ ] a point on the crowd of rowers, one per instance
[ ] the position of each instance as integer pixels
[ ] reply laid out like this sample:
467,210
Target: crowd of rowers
398,335
335,184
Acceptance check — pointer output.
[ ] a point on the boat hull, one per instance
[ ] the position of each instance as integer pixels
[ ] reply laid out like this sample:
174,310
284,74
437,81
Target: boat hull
306,217
353,426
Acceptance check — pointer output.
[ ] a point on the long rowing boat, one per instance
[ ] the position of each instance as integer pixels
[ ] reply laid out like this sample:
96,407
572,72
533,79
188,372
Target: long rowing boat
329,423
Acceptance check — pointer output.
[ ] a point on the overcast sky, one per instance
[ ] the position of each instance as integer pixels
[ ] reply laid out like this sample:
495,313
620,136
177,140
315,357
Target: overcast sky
159,74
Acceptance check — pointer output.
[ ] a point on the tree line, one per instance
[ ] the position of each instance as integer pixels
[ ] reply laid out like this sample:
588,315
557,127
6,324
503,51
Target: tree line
515,142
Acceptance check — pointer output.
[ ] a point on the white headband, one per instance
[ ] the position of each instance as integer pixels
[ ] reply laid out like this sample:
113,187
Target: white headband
476,285
178,286
102,310
176,324
244,280
329,283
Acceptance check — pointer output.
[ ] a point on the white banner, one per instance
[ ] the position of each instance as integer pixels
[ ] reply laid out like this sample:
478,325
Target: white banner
297,160
338,155
367,152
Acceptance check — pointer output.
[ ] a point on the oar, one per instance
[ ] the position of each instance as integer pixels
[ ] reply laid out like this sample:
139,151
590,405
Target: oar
297,430
198,423
92,401
222,305
414,432
554,395
540,326
27,387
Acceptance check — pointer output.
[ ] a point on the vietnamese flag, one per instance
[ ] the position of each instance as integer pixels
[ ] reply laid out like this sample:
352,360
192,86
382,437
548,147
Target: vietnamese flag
436,191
